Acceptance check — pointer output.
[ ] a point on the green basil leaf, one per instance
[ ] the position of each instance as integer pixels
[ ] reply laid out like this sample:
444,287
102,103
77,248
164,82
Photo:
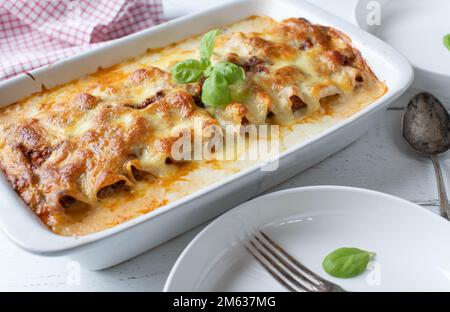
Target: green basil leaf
207,45
208,70
347,262
188,71
447,41
215,90
232,72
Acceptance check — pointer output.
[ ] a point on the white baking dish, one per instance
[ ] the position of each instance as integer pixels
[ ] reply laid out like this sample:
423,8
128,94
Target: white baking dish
111,246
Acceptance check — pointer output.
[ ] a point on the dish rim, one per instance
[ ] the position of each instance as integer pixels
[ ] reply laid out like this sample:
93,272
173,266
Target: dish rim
44,241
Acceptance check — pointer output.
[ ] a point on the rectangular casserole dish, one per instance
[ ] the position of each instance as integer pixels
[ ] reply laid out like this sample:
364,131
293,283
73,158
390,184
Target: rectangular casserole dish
117,244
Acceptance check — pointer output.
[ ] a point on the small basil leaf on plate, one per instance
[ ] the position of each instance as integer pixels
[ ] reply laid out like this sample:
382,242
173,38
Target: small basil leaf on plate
347,262
207,44
447,41
215,90
188,71
232,72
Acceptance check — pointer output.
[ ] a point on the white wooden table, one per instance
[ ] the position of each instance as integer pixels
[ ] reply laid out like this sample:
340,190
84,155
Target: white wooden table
380,160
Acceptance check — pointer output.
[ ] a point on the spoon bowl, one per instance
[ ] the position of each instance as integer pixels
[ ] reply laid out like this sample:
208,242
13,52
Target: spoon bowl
425,129
425,125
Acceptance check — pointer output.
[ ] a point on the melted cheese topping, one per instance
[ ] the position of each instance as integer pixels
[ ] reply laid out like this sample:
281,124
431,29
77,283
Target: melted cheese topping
96,152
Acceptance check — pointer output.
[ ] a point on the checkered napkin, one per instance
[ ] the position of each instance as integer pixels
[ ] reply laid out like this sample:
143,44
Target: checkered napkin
34,33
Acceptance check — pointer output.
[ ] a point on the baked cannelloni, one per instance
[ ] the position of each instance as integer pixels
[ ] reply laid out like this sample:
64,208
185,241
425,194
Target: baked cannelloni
98,151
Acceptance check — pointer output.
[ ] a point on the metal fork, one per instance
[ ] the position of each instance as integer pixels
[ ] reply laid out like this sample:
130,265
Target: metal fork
288,271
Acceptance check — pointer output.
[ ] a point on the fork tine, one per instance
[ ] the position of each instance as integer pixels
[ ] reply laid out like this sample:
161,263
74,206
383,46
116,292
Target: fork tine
304,280
279,269
308,273
269,270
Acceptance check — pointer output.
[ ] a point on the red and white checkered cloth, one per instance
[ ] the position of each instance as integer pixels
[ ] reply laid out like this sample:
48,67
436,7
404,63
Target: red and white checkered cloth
34,33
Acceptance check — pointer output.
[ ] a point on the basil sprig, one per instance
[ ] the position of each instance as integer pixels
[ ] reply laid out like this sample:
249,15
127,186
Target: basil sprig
231,72
207,45
219,77
347,262
447,41
215,90
188,71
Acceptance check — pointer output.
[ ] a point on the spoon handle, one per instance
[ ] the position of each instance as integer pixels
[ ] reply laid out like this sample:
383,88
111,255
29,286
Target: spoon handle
443,201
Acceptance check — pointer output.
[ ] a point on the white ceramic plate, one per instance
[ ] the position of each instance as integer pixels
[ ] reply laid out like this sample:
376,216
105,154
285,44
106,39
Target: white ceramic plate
415,28
412,244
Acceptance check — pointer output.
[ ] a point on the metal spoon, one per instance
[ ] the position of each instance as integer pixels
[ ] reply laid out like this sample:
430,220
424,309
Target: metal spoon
425,128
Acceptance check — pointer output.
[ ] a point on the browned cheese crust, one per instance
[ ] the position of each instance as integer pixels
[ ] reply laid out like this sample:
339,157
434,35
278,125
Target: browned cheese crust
68,149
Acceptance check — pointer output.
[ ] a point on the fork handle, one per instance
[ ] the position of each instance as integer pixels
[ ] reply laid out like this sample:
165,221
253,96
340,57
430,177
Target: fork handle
444,208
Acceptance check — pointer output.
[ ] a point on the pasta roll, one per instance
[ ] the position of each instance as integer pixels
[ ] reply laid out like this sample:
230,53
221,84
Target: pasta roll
71,201
136,171
107,184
